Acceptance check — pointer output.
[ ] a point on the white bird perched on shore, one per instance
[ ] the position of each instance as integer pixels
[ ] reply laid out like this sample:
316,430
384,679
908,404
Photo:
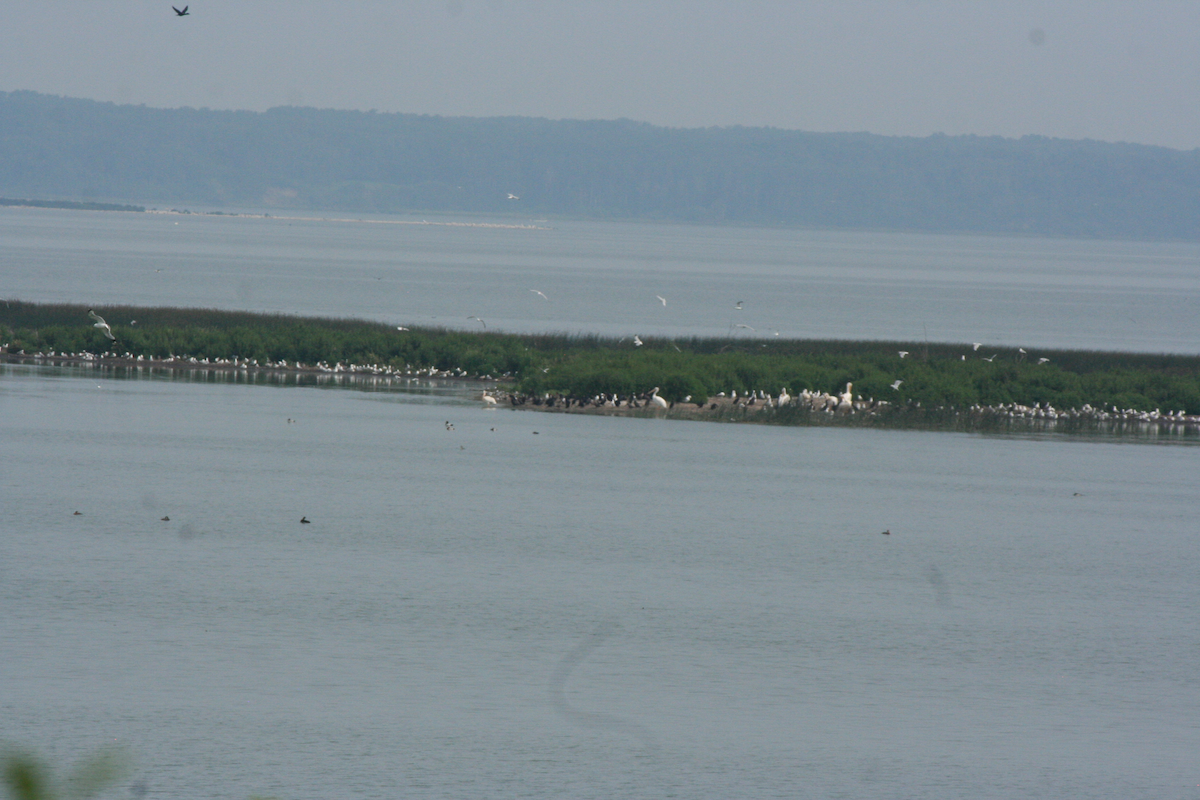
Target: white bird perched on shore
655,400
488,399
636,341
903,353
539,294
101,324
846,400
661,299
896,384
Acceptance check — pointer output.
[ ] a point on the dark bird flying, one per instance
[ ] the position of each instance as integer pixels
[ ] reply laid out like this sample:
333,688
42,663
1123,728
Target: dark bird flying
179,13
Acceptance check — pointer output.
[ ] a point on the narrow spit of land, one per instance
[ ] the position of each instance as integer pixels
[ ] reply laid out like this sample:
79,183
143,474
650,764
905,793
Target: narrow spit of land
885,384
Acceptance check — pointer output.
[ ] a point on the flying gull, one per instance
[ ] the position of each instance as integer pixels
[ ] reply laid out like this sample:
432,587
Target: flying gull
101,324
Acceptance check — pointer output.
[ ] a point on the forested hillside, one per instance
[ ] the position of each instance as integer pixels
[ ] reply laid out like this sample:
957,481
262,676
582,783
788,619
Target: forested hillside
54,148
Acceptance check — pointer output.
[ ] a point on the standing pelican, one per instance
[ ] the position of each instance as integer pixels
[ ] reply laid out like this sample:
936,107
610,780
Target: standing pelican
846,400
101,324
655,400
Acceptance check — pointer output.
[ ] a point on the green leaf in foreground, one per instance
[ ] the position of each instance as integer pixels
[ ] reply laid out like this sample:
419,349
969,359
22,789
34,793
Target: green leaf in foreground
28,778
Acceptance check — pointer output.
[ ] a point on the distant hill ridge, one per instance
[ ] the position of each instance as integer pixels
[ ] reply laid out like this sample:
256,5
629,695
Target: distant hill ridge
71,149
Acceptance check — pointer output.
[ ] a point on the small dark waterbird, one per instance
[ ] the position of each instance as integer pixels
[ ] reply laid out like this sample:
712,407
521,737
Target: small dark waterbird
179,13
305,520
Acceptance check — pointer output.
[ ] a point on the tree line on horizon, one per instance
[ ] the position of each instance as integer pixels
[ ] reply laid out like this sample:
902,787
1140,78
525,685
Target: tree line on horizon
59,148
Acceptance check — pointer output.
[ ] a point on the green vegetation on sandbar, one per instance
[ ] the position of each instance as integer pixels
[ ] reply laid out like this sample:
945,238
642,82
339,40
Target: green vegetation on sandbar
69,204
584,366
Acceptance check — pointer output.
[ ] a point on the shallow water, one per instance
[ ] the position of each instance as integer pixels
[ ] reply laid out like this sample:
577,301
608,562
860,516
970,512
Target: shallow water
604,278
608,607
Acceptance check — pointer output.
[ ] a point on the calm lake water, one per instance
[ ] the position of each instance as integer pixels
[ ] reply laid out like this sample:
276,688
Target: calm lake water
604,278
603,608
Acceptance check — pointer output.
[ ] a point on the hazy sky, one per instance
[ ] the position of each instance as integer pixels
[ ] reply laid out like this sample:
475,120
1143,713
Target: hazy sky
1115,71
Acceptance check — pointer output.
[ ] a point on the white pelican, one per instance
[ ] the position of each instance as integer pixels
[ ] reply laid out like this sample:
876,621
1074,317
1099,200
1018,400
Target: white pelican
784,398
846,400
655,400
896,384
539,294
662,300
488,399
903,353
101,324
636,341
